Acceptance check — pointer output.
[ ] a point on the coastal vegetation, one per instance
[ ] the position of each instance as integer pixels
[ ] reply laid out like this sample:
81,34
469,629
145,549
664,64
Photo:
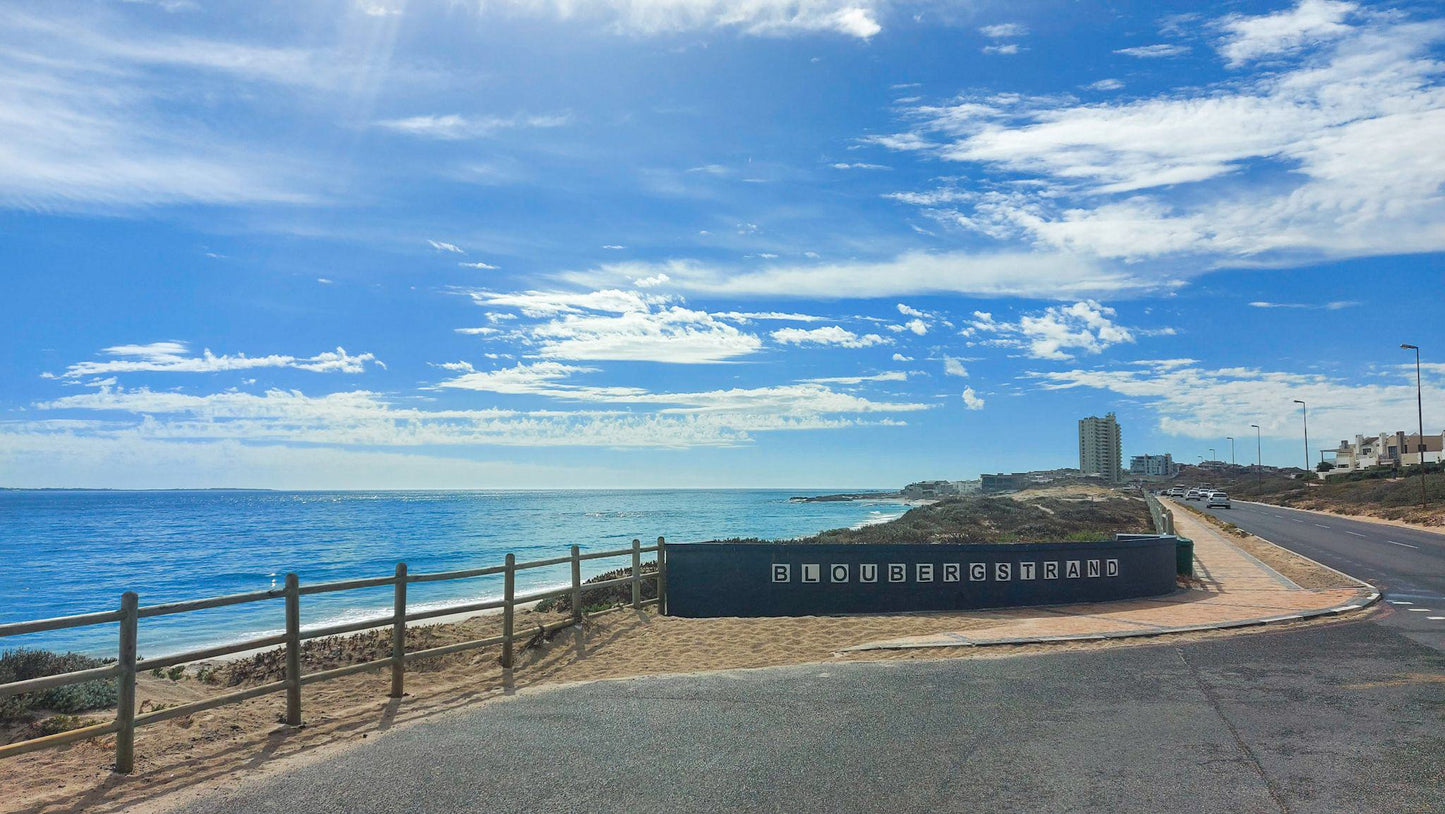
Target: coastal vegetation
52,710
1384,492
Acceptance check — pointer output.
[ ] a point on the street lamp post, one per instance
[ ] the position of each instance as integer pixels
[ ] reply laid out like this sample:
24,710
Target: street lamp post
1420,416
1306,411
1212,456
1258,448
1230,439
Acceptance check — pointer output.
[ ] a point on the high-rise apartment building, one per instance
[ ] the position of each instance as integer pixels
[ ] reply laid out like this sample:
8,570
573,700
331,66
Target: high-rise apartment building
1100,447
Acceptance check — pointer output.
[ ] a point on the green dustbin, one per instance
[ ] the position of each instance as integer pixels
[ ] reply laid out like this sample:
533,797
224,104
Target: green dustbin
1184,556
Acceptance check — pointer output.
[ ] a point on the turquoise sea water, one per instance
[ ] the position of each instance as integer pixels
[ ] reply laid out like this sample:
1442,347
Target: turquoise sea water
76,552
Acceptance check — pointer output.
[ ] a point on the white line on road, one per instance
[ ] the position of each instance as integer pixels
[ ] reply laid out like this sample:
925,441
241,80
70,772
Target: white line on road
1398,602
1297,521
1435,618
1322,525
1418,610
1356,533
1407,545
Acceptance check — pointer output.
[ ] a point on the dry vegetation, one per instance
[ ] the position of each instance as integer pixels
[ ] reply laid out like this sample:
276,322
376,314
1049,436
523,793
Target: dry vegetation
1368,494
1058,514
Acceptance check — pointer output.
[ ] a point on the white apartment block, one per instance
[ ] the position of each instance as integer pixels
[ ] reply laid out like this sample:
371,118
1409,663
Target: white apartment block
1100,447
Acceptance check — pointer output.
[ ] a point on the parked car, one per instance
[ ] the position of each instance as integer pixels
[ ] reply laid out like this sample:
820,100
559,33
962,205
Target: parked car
1217,500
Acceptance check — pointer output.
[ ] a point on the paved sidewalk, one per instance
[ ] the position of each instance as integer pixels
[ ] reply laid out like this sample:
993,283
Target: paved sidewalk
1238,591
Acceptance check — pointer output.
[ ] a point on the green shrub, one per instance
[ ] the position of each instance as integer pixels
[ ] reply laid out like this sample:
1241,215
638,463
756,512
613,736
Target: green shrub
22,665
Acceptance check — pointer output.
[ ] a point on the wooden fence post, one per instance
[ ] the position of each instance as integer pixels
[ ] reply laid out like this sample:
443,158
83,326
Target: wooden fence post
576,584
125,708
398,633
509,593
293,650
636,574
661,576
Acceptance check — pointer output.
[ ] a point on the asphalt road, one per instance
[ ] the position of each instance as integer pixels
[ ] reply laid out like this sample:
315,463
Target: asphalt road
1408,566
1341,718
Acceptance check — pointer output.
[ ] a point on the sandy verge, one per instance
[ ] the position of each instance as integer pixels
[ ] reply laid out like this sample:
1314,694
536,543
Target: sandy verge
1300,570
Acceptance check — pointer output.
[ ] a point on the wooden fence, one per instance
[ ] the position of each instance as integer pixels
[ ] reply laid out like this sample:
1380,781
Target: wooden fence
131,612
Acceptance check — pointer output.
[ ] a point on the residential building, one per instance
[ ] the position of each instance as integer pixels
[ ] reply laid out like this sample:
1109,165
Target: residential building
1162,466
1387,449
1100,446
1018,480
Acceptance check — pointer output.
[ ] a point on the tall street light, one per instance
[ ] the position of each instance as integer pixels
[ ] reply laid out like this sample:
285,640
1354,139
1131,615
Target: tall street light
1420,415
1230,439
1258,448
1212,456
1306,410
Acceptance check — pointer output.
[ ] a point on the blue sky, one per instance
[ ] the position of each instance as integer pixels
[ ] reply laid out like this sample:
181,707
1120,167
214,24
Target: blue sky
531,244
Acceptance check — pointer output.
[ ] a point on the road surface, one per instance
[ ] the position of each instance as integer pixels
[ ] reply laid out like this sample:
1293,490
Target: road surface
1408,566
1340,718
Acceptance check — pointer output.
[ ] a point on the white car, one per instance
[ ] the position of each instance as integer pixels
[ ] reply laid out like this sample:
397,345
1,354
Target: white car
1217,500
1193,494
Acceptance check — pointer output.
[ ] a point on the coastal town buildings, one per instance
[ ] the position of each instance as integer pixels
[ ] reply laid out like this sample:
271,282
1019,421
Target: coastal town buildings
1162,466
1387,449
1100,447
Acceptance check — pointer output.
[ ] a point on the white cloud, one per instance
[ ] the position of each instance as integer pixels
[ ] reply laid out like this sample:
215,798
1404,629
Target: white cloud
971,399
1004,30
453,127
1042,275
1007,49
88,118
1330,155
1105,84
613,324
1328,306
479,266
830,335
770,18
1310,23
909,311
1057,332
898,357
446,247
860,166
890,376
917,326
614,247
954,367
778,316
1200,402
174,357
1154,51
651,282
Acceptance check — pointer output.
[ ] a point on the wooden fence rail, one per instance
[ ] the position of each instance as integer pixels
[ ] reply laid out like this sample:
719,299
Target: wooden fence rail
128,663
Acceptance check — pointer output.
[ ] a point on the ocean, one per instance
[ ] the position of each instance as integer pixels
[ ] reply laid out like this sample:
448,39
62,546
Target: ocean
68,552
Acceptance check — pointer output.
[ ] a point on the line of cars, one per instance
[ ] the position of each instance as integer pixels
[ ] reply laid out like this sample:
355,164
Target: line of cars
1210,497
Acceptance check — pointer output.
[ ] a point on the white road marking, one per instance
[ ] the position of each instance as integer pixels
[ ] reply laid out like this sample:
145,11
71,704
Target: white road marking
1356,533
1398,602
1435,618
1322,525
1406,545
1418,610
1297,521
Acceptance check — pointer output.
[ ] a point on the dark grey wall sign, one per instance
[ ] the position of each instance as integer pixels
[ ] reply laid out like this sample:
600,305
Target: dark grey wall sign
784,579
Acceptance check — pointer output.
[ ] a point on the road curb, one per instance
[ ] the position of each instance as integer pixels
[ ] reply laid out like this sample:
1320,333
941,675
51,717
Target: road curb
964,641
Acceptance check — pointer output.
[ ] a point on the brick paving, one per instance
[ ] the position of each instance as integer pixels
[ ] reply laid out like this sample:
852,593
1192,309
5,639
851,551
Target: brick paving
1238,590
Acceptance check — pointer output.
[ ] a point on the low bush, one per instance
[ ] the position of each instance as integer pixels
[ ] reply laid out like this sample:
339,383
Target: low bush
22,665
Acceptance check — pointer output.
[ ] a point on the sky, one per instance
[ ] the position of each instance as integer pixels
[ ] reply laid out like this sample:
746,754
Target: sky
707,243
